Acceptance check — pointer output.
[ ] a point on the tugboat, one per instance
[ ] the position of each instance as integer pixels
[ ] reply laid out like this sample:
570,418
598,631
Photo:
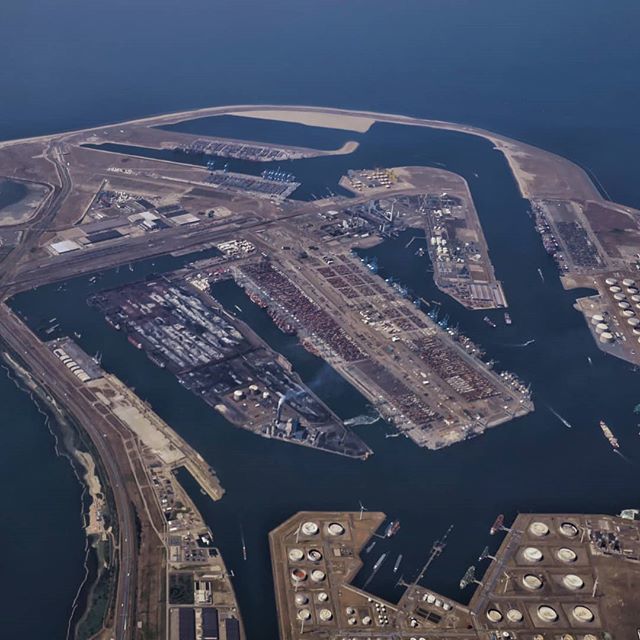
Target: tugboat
608,434
392,528
507,318
489,321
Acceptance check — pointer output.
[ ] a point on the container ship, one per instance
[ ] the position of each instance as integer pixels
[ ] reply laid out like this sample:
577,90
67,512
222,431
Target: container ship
608,434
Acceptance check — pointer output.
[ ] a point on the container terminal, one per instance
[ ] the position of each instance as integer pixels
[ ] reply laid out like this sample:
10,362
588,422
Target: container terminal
430,382
221,360
554,577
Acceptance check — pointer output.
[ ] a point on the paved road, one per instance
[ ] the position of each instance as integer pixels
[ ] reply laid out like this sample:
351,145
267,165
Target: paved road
46,369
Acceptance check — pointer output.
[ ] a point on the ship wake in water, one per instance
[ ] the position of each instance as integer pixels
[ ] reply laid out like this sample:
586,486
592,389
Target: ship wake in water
521,344
565,422
360,420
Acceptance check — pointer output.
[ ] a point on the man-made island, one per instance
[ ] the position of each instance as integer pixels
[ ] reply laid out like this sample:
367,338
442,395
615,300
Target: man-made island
108,196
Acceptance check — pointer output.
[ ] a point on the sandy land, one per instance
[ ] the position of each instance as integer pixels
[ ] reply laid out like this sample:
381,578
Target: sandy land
539,173
334,120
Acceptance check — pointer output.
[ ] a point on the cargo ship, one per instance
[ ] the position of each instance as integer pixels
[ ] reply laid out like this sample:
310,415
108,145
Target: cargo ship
392,528
257,299
489,321
379,562
608,434
135,342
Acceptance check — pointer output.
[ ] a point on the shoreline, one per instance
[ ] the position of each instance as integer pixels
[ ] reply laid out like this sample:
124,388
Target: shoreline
525,160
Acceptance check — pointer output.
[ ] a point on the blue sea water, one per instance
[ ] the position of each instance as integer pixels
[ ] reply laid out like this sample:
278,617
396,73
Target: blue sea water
561,75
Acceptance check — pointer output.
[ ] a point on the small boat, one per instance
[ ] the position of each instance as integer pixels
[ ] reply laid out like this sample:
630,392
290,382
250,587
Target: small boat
507,319
396,566
392,528
244,546
368,549
540,274
608,434
489,321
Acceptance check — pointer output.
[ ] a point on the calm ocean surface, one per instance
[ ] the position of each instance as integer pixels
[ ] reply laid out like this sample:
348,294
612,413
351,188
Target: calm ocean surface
559,75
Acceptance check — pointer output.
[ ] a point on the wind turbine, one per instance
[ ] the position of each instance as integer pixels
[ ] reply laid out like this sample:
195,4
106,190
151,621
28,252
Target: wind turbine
362,509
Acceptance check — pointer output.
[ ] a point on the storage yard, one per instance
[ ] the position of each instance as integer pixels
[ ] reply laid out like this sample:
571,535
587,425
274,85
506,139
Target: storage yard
429,382
554,577
217,358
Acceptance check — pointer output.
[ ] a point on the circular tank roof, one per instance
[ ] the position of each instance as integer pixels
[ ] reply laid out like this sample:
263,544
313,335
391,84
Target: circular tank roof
598,317
532,554
619,296
615,289
571,581
547,613
317,575
304,614
627,313
634,322
628,282
635,298
295,555
611,281
335,529
582,613
566,555
325,614
494,615
301,599
314,555
323,596
624,305
539,529
298,575
310,528
569,529
605,336
514,615
532,582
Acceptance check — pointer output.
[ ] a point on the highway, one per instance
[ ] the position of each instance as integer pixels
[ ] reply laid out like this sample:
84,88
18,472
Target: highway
64,387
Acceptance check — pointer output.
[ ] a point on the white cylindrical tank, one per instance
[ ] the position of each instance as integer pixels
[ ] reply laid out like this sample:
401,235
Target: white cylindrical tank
611,281
619,297
628,313
615,289
602,326
634,322
539,529
605,336
624,305
628,282
597,317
